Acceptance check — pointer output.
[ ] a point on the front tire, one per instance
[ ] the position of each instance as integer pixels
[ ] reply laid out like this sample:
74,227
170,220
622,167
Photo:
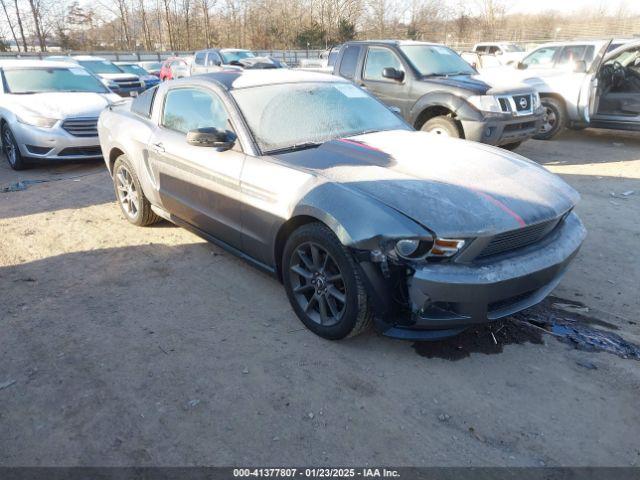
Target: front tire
443,125
129,195
324,283
11,150
555,118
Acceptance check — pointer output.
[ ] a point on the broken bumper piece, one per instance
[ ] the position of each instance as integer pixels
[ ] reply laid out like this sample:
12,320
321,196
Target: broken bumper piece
447,298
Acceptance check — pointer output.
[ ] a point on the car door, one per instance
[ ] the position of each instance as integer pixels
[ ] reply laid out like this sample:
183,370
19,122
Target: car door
618,107
198,184
391,92
589,96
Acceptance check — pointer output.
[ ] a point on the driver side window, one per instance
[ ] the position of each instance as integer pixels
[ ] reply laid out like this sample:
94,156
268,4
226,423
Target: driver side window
190,108
379,58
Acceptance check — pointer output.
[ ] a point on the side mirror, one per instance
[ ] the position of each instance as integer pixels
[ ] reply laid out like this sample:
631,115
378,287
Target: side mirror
521,66
580,66
393,74
211,137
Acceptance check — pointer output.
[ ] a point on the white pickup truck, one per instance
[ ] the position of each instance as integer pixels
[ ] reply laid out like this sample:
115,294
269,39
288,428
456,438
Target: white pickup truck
600,89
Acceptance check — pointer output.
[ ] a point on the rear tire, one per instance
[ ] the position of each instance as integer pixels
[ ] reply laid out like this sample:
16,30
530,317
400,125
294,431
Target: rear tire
129,195
443,125
324,283
11,149
555,118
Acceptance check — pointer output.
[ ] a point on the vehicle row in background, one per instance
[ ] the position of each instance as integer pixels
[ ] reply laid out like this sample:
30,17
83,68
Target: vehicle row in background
436,91
582,84
49,111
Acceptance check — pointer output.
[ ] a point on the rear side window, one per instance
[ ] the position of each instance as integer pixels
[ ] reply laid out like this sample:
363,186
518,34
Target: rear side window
199,58
349,61
571,54
143,103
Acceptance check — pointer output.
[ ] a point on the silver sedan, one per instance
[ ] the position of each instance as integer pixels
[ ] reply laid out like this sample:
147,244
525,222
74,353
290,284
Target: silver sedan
49,111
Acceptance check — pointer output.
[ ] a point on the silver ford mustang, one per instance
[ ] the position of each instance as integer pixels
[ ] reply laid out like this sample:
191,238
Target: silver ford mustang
49,111
362,218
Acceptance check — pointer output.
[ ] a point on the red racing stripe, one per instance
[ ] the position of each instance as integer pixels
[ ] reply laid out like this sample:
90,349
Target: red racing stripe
502,207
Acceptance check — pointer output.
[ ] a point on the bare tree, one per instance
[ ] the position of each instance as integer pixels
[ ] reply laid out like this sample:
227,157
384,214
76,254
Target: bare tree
37,22
20,27
10,23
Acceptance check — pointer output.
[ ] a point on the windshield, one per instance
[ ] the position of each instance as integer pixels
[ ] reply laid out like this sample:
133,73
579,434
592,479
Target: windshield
39,80
436,60
289,115
235,55
99,66
512,47
152,65
135,69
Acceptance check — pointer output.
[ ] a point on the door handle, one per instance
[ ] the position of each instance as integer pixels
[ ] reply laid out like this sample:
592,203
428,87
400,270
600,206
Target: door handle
158,147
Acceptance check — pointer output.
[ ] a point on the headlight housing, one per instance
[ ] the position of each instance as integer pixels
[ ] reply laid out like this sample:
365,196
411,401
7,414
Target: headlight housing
535,100
486,103
36,120
420,248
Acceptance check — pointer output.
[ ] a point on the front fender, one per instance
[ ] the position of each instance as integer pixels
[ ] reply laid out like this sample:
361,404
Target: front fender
358,221
458,105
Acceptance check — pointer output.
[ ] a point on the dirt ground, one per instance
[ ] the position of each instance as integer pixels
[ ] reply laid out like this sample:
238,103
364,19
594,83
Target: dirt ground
148,346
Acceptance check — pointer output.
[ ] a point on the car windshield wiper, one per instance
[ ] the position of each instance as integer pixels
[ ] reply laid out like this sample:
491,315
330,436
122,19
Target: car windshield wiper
294,148
27,92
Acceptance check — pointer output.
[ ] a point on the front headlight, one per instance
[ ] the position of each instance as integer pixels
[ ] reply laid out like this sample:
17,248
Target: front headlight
485,103
535,100
109,84
419,249
36,120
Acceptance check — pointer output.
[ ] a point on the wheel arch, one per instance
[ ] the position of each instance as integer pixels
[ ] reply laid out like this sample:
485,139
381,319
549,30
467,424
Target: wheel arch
114,153
441,102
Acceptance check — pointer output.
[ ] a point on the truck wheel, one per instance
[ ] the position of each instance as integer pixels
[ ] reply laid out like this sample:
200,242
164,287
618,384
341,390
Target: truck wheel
554,119
129,194
324,283
11,150
442,125
511,146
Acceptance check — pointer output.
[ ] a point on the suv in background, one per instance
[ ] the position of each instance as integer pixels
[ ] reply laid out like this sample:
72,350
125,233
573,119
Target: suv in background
436,91
124,84
508,53
135,69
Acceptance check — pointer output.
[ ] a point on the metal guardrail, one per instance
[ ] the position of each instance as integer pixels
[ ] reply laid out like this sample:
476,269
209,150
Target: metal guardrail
291,57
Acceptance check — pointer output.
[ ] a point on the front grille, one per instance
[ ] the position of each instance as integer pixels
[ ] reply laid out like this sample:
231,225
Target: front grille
522,237
81,127
129,83
522,103
504,104
81,151
508,302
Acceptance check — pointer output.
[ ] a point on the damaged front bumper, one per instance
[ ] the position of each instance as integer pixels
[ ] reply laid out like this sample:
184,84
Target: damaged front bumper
447,298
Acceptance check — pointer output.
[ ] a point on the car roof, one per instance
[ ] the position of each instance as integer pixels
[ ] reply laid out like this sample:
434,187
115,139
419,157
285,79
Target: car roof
391,42
90,57
36,64
236,79
572,42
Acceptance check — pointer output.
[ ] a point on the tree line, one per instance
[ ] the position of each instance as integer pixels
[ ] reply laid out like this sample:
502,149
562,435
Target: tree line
185,25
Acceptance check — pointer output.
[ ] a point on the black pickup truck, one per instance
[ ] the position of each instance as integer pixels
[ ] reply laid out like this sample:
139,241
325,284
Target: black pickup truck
435,90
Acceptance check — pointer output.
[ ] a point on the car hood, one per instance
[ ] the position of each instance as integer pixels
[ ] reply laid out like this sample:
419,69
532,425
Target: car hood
480,84
65,104
456,188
